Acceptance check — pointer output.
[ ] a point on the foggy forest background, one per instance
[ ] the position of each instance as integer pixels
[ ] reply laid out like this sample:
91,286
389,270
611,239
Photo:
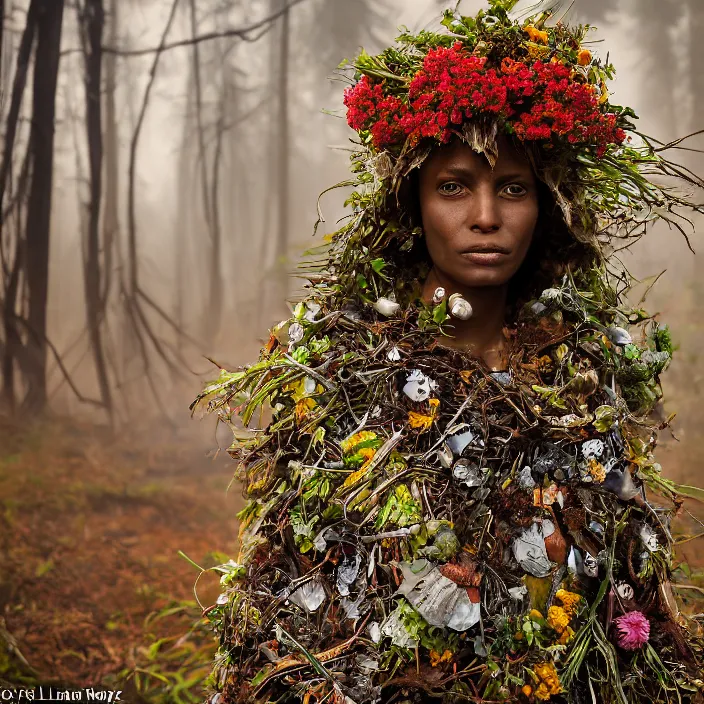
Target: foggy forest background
157,222
160,166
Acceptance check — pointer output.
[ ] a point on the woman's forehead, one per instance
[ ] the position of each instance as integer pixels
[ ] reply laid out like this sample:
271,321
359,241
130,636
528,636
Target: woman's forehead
460,156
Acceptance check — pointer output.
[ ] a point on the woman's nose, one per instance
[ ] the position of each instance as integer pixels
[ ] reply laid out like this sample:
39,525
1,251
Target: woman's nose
484,214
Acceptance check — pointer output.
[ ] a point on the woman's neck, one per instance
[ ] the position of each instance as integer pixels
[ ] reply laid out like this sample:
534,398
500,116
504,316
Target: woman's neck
482,334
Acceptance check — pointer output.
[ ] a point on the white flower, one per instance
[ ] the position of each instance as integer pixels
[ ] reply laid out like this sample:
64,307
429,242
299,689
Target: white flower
393,355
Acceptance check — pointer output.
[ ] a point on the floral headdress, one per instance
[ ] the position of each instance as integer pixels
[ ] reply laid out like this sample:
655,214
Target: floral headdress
489,75
417,526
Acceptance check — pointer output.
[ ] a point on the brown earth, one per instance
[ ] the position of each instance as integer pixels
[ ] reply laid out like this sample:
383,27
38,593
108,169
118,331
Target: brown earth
92,588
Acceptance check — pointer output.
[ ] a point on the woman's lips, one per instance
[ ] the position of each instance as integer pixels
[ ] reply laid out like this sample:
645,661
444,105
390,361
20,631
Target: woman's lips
486,257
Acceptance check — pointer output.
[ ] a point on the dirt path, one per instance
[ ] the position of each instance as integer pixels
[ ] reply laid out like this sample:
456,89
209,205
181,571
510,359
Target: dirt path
90,529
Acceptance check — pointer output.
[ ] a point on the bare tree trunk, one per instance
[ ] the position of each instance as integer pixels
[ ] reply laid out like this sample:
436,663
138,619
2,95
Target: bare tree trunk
11,271
23,58
92,18
46,69
111,218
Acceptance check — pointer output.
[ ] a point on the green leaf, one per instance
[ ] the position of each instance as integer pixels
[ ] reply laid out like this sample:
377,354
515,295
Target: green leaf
378,265
440,313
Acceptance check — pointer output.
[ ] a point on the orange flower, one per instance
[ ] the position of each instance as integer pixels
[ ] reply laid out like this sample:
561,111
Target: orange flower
527,690
584,57
303,408
566,636
536,35
597,471
549,681
570,600
436,658
558,619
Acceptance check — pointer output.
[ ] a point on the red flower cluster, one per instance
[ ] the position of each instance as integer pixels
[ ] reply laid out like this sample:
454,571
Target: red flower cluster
538,101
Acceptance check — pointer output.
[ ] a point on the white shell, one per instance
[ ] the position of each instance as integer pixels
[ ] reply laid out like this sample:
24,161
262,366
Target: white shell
619,336
418,386
295,333
590,565
592,448
309,596
445,456
625,590
649,538
460,307
438,295
387,307
529,549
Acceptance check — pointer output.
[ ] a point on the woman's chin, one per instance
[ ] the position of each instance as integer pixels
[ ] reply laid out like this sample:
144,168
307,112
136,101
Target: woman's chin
484,279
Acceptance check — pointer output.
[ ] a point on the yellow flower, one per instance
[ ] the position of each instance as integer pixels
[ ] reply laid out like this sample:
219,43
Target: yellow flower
357,439
536,35
423,422
584,57
303,408
597,470
542,692
604,93
566,636
536,51
535,614
549,681
527,690
558,619
570,600
436,658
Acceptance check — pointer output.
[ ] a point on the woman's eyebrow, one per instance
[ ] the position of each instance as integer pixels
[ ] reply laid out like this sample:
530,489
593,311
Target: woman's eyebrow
514,176
468,172
464,171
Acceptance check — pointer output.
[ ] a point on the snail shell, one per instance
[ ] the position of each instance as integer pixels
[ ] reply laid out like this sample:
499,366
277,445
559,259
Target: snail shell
438,295
387,307
460,308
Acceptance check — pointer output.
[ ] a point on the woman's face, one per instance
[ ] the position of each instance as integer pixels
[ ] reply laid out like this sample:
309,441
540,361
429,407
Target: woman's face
478,221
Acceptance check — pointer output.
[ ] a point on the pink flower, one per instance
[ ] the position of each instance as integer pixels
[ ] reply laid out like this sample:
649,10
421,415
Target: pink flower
633,630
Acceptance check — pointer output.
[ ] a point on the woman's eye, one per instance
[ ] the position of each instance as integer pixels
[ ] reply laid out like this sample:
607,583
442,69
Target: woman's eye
450,189
515,190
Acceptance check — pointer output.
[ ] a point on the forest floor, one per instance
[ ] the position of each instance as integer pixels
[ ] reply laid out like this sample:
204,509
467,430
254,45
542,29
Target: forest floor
92,588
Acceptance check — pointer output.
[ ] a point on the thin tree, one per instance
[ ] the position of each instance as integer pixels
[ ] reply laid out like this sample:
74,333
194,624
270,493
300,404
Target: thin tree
11,240
91,16
49,14
111,209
